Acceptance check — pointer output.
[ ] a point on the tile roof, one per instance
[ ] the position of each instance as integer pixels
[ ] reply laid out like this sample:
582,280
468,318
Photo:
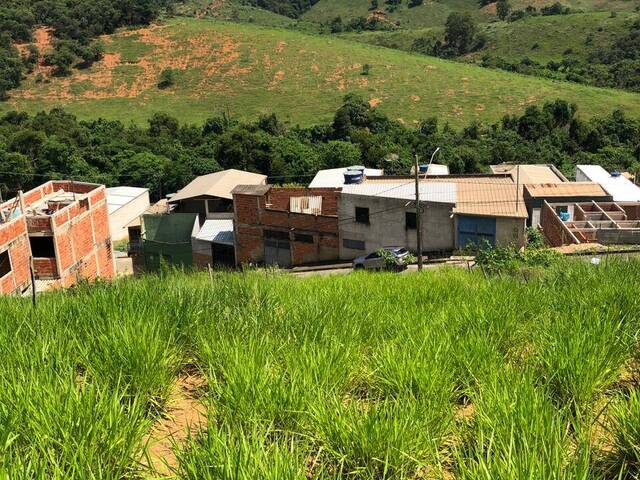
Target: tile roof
490,200
530,173
566,189
251,190
218,184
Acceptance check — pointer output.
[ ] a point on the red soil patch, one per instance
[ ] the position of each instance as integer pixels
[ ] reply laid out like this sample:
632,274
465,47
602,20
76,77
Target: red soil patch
415,98
374,102
277,78
280,47
315,69
43,39
185,416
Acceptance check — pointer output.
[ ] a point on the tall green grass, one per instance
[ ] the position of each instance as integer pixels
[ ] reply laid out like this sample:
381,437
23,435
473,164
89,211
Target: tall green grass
367,376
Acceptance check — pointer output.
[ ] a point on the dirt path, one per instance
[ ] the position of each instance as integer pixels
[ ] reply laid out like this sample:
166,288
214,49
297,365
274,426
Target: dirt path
185,414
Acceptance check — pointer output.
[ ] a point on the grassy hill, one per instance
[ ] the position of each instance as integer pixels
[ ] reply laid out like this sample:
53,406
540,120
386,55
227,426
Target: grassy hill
438,375
250,70
540,38
434,13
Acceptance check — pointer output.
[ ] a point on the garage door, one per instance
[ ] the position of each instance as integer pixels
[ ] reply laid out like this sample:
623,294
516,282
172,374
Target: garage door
475,231
277,252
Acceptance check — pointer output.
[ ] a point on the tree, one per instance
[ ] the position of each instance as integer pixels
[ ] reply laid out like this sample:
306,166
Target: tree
167,78
460,31
503,8
337,154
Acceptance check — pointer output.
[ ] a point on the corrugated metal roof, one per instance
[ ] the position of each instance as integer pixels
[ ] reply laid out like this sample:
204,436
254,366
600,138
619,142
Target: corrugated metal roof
491,200
334,177
566,189
118,197
217,231
529,173
218,184
504,179
429,191
620,188
437,169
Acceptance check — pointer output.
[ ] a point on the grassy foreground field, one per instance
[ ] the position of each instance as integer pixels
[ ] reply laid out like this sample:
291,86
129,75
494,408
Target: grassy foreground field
439,375
250,70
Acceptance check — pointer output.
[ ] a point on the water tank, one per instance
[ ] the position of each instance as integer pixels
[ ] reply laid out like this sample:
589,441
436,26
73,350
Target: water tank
423,168
352,177
565,216
615,174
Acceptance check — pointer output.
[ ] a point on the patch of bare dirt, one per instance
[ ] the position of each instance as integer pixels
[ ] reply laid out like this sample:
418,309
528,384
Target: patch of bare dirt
374,102
185,415
415,98
280,47
277,78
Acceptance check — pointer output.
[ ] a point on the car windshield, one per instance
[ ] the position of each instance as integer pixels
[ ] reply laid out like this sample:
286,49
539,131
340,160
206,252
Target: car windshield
401,251
373,255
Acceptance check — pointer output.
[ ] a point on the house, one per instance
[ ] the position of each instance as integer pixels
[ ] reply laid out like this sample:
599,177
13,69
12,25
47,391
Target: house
213,244
285,226
530,174
565,194
125,204
209,196
62,227
457,210
335,177
615,184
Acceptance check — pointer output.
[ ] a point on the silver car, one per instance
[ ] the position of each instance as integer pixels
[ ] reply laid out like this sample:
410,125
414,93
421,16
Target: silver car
375,260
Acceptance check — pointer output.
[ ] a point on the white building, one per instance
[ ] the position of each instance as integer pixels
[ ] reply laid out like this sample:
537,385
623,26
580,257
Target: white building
334,177
125,205
615,184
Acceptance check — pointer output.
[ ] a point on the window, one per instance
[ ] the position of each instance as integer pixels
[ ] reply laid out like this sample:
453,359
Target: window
299,237
373,255
276,235
5,264
353,244
362,215
42,247
410,221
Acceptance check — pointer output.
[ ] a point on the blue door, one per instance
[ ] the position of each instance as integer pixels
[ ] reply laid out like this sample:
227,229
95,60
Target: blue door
475,231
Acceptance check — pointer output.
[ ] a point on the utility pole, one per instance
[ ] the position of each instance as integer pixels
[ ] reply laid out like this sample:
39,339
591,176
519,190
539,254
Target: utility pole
418,212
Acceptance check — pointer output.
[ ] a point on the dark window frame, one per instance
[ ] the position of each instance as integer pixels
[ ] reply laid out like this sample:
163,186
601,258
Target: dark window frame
362,215
5,264
40,250
303,238
410,221
353,244
276,235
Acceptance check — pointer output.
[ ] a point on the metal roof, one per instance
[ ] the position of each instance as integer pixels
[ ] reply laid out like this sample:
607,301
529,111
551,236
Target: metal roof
566,189
491,200
467,178
334,177
437,169
620,188
118,197
218,184
440,192
217,231
530,173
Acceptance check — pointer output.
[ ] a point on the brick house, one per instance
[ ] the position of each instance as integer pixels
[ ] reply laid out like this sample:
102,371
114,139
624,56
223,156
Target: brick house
64,226
285,226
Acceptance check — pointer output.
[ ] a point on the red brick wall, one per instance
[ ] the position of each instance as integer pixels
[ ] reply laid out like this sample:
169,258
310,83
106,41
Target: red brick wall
45,268
278,198
14,240
553,229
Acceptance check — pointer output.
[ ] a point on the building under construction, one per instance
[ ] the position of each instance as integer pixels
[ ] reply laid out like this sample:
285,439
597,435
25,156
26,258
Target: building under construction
60,230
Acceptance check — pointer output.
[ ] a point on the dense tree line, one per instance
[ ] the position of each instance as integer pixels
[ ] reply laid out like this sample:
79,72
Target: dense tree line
165,155
289,8
75,23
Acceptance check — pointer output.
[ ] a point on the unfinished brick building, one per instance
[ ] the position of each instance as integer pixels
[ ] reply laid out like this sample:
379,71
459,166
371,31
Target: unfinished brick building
285,226
64,226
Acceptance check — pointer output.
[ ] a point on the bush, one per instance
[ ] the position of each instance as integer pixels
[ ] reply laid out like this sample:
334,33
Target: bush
167,78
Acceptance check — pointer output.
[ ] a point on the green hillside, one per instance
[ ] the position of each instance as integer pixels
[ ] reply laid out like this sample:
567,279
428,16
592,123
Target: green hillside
539,38
434,13
250,70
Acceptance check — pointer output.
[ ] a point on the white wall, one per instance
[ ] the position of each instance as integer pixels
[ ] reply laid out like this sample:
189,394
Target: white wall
119,219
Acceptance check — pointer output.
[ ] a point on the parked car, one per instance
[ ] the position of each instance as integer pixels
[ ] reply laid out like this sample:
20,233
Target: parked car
376,260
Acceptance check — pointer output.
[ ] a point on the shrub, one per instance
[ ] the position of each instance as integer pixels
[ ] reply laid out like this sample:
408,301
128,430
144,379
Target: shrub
167,78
